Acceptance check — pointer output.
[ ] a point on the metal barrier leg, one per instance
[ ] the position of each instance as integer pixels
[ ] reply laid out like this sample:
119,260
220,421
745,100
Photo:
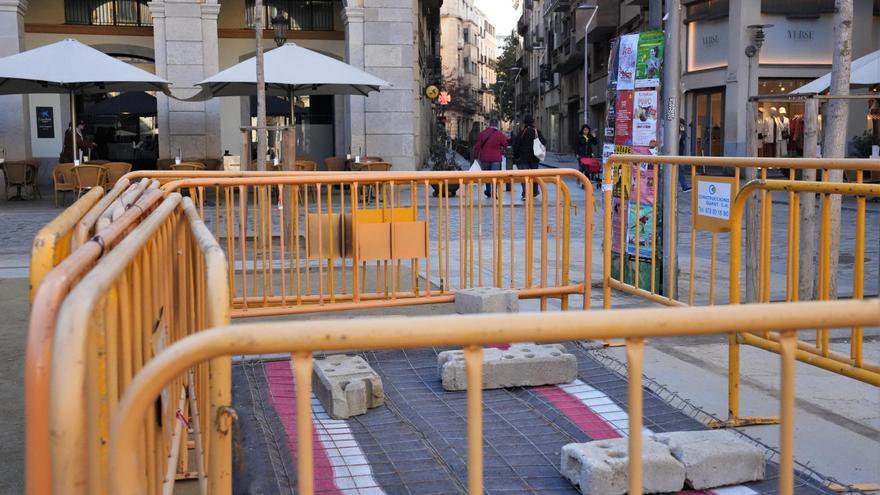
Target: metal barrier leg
302,371
788,344
635,353
473,356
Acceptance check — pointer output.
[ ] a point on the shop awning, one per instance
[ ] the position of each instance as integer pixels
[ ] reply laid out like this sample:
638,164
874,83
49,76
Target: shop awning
865,72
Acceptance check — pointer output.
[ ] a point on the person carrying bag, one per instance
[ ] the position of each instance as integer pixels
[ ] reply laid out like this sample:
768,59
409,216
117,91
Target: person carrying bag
489,150
529,144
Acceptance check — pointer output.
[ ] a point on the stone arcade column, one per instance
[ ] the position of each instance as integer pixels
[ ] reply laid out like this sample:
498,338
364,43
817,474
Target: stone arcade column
14,111
379,39
185,37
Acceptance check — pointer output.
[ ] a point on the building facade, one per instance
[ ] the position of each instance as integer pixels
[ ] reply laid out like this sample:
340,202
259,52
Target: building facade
715,69
468,51
185,41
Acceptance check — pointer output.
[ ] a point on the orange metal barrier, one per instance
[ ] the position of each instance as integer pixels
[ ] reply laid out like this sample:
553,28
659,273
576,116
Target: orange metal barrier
645,279
165,280
111,206
301,243
41,331
52,243
819,354
130,458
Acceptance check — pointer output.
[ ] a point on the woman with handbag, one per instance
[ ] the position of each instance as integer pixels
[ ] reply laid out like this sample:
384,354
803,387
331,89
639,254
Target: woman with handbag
587,163
524,150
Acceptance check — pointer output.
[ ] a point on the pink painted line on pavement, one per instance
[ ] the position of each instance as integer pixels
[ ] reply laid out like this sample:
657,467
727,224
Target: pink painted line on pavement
577,399
578,413
282,394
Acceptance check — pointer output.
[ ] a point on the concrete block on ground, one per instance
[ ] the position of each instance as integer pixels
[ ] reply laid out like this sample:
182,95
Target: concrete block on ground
346,385
714,458
601,467
486,300
520,365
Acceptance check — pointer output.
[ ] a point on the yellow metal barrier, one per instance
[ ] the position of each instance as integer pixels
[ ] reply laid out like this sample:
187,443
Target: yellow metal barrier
129,457
52,243
332,242
852,365
619,178
41,327
165,280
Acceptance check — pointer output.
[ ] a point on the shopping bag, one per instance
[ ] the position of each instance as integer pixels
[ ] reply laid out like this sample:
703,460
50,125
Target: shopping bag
539,149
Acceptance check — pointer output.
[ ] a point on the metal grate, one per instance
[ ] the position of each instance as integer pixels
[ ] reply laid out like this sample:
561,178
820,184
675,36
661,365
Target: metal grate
107,12
303,15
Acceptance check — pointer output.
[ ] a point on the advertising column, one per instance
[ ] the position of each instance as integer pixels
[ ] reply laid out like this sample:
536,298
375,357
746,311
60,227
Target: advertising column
634,83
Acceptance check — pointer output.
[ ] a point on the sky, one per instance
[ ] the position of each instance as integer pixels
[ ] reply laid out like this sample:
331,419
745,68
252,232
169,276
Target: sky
500,13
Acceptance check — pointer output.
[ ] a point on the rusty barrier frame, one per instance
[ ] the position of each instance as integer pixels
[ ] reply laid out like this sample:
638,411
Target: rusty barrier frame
111,207
737,163
53,242
820,355
471,331
163,281
310,190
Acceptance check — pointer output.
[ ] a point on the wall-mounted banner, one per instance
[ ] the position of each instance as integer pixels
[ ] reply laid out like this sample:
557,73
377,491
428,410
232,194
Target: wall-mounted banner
715,197
649,62
627,54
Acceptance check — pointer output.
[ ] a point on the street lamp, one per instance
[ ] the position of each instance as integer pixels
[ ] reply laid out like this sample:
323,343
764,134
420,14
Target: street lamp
594,8
280,24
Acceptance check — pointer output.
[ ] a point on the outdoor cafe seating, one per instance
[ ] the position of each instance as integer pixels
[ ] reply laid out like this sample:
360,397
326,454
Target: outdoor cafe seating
190,166
21,175
89,176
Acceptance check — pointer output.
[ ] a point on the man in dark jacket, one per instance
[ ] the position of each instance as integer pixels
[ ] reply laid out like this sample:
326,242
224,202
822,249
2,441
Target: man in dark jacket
524,150
489,150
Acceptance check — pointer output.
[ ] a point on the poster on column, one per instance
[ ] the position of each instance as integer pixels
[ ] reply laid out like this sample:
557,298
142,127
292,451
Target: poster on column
644,192
623,119
644,127
618,211
649,60
626,70
639,223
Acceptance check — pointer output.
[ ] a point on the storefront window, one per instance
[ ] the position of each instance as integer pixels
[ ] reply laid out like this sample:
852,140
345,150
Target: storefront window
706,128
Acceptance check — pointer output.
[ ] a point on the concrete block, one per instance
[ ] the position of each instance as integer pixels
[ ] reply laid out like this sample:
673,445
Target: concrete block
486,300
601,467
521,365
714,458
346,385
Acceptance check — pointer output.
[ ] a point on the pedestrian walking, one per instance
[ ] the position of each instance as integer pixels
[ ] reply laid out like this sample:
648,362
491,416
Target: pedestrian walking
524,150
586,149
489,150
682,151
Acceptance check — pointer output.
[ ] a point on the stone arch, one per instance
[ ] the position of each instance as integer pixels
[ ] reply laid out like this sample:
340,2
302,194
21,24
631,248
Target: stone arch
125,49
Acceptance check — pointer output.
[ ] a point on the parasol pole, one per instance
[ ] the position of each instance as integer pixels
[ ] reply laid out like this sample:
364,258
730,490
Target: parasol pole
292,123
73,128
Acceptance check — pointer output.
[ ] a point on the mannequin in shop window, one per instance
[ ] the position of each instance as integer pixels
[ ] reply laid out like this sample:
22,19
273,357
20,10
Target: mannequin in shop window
769,131
784,132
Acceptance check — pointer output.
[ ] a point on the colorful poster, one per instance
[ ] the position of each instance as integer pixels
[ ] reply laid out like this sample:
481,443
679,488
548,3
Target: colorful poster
613,65
649,60
618,211
645,192
644,130
623,125
607,150
641,218
627,54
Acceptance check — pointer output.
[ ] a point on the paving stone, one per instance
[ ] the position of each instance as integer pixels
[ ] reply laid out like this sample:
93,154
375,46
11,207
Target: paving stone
486,300
601,467
521,365
714,458
346,385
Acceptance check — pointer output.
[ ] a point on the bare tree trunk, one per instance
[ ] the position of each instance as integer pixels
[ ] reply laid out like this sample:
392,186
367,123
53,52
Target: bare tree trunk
808,240
262,135
753,208
838,115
